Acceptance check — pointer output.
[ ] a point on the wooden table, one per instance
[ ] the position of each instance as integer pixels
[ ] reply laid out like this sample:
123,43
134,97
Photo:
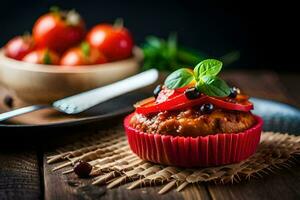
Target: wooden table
25,175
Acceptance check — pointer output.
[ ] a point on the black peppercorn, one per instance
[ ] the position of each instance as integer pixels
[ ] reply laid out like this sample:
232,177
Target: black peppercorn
157,90
8,101
192,93
234,91
207,108
82,169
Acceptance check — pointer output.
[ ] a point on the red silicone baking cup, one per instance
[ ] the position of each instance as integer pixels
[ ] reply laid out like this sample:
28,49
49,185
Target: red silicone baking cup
201,151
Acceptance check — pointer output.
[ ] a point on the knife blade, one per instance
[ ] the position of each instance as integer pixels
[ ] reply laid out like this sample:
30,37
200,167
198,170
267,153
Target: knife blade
81,102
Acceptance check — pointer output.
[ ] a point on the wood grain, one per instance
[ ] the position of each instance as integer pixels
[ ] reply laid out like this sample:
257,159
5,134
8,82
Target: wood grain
196,191
140,193
19,175
283,185
262,84
292,87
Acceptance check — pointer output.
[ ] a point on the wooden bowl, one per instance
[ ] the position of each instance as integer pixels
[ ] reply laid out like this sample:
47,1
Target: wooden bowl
38,83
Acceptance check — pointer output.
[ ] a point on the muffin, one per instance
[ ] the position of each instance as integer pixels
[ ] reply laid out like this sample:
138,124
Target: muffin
194,120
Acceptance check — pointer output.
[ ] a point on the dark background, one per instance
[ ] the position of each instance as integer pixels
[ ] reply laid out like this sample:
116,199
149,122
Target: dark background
266,34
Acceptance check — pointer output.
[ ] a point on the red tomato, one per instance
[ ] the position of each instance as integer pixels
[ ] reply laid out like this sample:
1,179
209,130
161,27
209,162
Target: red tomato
19,46
58,30
42,56
83,55
115,42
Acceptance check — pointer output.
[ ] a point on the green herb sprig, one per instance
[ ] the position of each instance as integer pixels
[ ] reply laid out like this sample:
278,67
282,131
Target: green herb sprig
169,55
205,77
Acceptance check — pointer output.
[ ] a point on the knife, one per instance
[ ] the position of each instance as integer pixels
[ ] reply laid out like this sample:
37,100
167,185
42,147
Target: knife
80,102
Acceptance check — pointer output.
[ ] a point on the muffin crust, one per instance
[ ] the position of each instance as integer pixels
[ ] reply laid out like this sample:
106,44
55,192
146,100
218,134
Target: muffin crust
191,122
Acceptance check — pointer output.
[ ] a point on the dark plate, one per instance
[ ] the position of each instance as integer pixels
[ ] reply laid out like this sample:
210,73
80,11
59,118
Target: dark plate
277,116
115,107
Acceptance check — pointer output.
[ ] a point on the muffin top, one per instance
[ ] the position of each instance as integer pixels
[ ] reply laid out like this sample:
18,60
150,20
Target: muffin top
191,122
194,103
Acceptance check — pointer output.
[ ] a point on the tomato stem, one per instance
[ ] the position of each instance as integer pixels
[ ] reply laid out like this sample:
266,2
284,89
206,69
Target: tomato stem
119,23
73,18
47,59
85,48
54,9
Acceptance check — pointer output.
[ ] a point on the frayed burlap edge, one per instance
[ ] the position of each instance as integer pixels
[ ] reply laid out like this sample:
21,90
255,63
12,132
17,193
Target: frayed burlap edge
114,164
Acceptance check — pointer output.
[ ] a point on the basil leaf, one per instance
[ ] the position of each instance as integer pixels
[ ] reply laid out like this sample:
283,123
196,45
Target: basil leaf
207,67
213,86
179,78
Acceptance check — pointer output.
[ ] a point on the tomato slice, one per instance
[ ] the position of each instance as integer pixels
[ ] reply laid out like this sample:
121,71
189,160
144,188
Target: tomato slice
145,102
168,104
166,94
244,105
178,102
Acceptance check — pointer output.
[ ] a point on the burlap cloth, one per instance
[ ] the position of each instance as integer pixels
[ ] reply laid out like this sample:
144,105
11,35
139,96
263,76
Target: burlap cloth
114,164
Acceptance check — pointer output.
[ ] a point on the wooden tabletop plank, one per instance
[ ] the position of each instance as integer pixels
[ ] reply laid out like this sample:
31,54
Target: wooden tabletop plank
292,87
282,185
261,84
19,175
140,193
196,191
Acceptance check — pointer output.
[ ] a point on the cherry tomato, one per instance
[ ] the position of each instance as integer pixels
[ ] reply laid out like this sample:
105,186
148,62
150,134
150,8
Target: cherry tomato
114,41
19,46
83,55
42,56
59,30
